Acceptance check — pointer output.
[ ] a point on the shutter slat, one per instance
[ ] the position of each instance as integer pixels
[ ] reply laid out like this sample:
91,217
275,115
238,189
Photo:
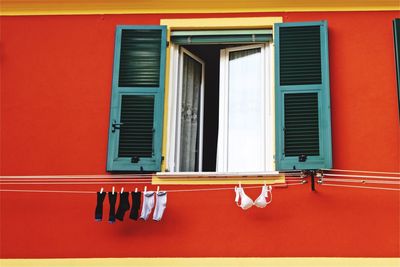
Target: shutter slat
301,124
139,65
300,55
136,131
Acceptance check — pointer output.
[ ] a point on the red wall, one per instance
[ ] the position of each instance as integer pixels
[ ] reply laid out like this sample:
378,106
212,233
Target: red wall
55,93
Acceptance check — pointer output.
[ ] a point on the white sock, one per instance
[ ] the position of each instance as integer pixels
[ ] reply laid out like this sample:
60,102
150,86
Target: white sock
148,204
161,204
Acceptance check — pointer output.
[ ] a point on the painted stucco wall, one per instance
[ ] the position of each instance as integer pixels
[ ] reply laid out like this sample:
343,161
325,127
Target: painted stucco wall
55,93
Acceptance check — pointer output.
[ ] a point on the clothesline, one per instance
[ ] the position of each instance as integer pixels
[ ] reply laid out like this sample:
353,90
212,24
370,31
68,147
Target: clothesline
295,177
364,176
378,172
146,175
66,182
360,181
198,189
66,179
169,191
362,187
142,176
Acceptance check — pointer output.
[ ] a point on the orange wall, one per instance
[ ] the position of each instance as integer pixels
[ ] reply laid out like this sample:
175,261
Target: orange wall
55,95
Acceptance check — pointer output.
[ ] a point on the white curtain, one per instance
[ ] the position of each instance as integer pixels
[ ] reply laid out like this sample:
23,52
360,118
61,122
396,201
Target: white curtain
190,114
246,114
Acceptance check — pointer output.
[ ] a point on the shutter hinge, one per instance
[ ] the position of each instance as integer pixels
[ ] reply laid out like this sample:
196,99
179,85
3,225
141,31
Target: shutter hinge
135,159
115,126
167,43
302,158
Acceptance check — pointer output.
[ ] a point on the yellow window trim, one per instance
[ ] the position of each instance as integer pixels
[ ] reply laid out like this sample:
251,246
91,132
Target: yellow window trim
209,178
204,24
210,262
62,7
220,23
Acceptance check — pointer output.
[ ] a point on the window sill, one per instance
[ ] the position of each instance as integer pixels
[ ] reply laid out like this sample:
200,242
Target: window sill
212,178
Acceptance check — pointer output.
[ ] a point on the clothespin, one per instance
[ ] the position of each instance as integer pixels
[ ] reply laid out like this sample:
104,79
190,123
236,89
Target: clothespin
265,186
145,189
101,190
136,190
122,190
158,189
113,190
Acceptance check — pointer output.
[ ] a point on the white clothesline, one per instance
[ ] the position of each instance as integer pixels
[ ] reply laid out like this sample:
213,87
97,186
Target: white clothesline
362,187
86,179
149,175
364,176
123,179
358,171
101,181
366,181
168,191
78,176
72,182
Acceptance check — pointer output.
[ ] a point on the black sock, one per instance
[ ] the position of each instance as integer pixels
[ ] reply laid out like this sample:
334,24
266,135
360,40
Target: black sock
98,213
136,198
123,205
112,199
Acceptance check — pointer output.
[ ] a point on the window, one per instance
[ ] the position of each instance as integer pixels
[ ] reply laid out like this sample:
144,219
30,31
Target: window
236,101
253,126
186,114
245,123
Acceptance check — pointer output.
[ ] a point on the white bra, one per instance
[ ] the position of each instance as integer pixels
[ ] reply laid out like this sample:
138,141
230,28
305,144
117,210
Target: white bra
246,202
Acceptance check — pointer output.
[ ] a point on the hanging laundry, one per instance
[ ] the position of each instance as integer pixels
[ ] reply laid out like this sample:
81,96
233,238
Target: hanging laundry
136,199
123,205
148,204
247,202
161,204
261,201
112,199
98,213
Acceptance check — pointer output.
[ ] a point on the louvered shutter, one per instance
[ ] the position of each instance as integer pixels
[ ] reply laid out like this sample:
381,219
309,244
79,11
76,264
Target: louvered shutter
135,131
303,123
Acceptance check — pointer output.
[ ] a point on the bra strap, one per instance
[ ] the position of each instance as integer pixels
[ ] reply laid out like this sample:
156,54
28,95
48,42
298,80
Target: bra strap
237,196
269,190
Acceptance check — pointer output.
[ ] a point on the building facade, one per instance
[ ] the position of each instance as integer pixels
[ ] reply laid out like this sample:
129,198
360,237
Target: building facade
72,75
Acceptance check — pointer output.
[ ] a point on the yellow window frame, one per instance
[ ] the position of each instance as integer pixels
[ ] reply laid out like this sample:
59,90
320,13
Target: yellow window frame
206,24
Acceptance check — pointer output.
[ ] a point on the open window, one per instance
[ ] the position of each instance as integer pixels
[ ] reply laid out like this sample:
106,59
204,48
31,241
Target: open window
234,127
226,110
186,148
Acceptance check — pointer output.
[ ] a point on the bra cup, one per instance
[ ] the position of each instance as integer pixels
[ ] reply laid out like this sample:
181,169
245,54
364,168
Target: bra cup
246,201
260,202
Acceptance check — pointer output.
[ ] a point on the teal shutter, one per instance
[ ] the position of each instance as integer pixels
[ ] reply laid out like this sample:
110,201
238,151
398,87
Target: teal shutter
303,122
135,131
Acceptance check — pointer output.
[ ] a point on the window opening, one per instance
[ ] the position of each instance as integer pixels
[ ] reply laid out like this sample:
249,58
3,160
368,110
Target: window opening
210,55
